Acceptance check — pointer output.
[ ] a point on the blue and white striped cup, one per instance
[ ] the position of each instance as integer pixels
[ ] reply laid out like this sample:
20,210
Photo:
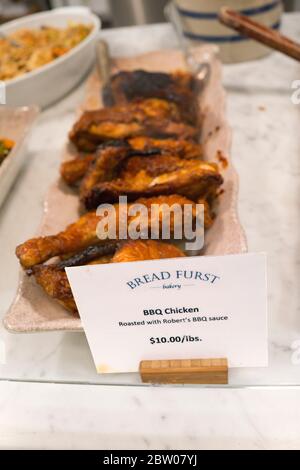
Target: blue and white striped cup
199,21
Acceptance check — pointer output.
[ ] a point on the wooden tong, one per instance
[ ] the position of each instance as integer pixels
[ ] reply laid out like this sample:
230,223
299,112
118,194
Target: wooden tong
103,61
259,32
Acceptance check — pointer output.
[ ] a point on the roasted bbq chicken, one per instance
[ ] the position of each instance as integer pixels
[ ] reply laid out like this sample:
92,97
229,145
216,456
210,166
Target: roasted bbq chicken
53,279
142,145
85,231
180,88
121,171
72,171
150,117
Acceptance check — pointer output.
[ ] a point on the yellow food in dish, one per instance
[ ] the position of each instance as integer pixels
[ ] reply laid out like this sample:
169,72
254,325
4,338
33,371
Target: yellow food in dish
5,147
28,49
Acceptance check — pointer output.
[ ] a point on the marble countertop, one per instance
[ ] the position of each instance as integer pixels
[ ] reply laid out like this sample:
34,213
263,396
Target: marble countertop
265,151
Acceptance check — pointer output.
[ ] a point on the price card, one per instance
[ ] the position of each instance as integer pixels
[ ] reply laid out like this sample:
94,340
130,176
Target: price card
182,308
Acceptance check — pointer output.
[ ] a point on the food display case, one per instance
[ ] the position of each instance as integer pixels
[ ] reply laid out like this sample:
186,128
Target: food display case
40,342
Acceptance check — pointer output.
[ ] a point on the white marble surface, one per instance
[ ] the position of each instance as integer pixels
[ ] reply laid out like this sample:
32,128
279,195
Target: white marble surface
91,417
266,150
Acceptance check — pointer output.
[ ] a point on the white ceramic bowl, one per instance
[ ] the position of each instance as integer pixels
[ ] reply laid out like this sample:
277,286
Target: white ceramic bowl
199,21
16,125
51,82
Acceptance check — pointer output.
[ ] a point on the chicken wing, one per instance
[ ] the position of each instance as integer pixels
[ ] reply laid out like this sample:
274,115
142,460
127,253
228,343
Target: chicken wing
83,232
109,160
180,88
141,250
74,170
180,147
151,176
54,281
152,117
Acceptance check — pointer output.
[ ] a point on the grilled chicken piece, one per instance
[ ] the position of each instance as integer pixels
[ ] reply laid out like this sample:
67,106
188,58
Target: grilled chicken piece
53,278
108,161
74,170
83,232
87,256
153,176
108,164
112,157
152,117
182,148
180,88
141,250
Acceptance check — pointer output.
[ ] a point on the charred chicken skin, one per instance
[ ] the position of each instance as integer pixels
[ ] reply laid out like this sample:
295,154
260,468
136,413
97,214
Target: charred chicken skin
54,281
83,233
182,148
180,88
152,118
151,176
123,170
74,170
141,250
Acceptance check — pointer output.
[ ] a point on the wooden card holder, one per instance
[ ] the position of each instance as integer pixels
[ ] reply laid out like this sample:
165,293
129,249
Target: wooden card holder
185,371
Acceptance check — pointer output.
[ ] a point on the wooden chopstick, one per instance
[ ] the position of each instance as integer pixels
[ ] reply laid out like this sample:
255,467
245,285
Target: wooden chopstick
259,32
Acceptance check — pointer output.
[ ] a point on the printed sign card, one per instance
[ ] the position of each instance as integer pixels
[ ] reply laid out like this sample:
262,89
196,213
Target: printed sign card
182,308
